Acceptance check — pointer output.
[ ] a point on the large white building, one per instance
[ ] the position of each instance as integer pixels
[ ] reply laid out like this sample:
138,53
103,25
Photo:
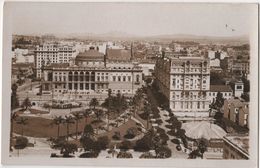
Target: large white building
185,81
92,73
47,54
22,56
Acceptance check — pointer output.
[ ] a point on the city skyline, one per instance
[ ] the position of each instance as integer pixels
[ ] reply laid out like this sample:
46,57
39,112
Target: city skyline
132,19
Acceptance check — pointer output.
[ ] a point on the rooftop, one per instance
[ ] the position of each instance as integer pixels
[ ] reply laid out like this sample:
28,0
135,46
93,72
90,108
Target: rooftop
236,102
119,54
89,55
238,141
220,88
58,65
203,129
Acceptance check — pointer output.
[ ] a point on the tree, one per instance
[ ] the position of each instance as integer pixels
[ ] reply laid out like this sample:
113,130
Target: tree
163,152
98,114
21,143
26,103
147,155
68,148
125,145
77,118
22,121
103,142
57,121
123,154
94,102
14,99
202,146
219,101
86,114
13,118
88,131
68,120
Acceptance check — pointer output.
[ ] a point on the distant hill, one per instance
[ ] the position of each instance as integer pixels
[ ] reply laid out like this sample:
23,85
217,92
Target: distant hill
116,35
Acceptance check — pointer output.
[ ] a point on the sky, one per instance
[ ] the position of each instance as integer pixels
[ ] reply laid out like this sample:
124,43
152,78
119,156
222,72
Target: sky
142,19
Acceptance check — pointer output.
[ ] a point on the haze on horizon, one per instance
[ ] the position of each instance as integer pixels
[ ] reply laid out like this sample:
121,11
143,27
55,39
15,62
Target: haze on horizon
141,19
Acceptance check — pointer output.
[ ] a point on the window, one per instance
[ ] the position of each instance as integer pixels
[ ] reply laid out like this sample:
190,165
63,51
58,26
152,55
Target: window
198,105
114,78
124,78
81,86
75,86
129,78
87,86
119,78
137,78
239,87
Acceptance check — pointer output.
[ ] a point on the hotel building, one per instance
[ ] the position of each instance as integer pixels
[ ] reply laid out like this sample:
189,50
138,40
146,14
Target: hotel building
47,54
184,80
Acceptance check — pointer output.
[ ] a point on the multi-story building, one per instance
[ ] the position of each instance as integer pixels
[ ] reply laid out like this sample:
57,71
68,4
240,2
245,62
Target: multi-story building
225,90
236,147
185,80
47,54
237,111
92,72
241,66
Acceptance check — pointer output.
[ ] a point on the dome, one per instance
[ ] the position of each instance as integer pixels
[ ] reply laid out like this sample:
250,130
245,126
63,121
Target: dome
90,55
203,129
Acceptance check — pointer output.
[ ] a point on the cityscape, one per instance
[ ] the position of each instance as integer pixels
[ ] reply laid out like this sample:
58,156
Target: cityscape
117,95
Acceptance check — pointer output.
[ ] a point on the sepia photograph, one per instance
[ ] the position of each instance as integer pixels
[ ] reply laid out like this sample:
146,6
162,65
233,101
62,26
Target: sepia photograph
159,83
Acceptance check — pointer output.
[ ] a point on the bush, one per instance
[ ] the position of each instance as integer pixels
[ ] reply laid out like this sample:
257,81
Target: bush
163,152
142,146
89,155
103,142
159,121
131,133
116,136
68,148
175,141
57,143
21,143
144,115
122,154
147,155
125,145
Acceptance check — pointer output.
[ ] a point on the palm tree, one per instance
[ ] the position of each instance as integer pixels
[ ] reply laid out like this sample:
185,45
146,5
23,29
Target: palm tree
22,121
77,117
94,102
57,121
98,114
13,118
108,115
26,103
86,114
68,120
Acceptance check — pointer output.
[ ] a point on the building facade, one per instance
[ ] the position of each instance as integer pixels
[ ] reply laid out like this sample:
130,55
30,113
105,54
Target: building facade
236,147
91,73
185,81
225,90
237,111
47,54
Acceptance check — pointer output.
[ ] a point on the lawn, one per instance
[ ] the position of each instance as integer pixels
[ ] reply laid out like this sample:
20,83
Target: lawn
122,129
44,128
